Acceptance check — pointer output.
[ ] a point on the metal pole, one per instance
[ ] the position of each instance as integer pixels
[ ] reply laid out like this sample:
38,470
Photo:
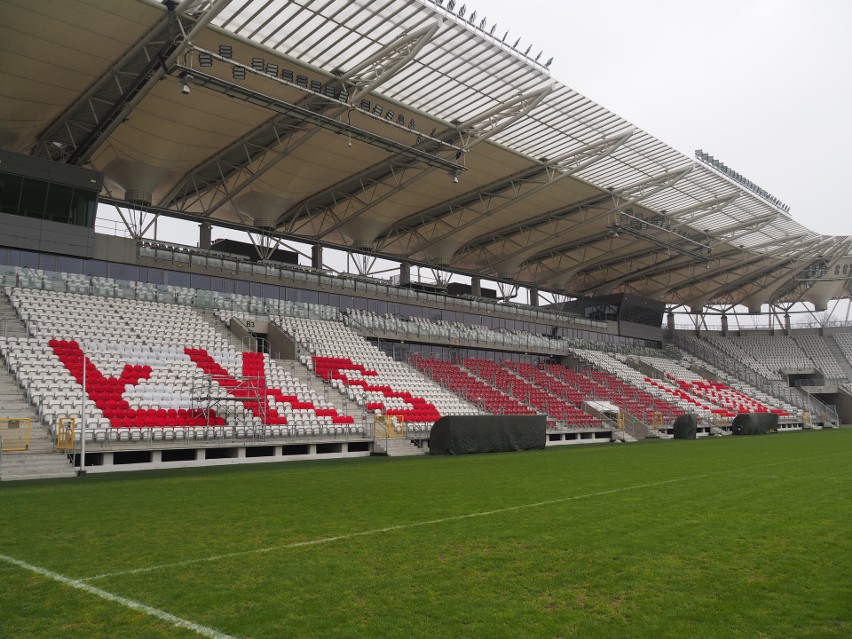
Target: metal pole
82,470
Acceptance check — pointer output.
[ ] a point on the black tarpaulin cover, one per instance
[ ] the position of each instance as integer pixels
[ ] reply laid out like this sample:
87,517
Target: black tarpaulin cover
464,434
685,426
754,423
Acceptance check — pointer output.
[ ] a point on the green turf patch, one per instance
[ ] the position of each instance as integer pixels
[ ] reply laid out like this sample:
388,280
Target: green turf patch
734,537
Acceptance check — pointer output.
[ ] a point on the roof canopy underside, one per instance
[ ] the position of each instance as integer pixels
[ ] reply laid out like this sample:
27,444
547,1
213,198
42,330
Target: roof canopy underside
391,127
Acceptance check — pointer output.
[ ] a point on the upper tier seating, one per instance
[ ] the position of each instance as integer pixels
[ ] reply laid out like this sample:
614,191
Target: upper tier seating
819,352
372,379
766,354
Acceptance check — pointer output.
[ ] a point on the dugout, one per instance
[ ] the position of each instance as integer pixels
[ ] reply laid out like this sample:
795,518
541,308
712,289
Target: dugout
466,434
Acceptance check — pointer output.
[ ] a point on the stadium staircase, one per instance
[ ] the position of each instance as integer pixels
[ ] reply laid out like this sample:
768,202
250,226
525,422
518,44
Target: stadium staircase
34,464
221,328
839,355
399,447
39,461
10,324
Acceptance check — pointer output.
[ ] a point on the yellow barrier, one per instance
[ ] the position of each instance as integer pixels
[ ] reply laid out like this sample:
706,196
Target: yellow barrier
65,427
15,433
389,426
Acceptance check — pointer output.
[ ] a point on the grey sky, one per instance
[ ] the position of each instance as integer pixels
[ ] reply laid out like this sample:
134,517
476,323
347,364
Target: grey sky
762,85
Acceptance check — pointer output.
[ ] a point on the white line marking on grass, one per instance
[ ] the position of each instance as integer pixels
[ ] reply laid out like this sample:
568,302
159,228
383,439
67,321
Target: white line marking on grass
162,615
429,522
417,524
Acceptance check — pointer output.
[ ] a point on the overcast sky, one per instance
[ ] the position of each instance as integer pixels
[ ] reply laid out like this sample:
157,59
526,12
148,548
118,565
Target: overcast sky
765,86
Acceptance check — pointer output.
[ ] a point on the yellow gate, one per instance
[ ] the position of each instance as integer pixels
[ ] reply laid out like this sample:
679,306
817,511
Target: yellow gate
65,427
389,426
15,433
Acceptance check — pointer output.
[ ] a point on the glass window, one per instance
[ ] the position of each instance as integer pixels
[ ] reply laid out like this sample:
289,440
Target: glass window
58,207
217,284
29,259
95,267
200,281
83,207
47,262
115,271
69,264
10,193
33,198
155,276
177,278
271,291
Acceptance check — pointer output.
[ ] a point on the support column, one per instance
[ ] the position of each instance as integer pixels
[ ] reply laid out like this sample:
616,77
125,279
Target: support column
724,325
404,274
205,233
533,297
316,256
786,323
475,287
670,323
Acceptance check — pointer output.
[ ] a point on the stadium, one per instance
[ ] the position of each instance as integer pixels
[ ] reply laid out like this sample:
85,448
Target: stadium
355,242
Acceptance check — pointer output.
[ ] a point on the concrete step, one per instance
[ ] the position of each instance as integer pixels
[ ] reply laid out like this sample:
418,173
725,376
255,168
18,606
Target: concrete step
840,356
339,400
399,448
221,329
10,324
19,466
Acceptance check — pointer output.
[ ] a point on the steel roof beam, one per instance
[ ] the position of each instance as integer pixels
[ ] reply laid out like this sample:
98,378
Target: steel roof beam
81,129
216,181
771,265
498,196
632,194
350,194
666,266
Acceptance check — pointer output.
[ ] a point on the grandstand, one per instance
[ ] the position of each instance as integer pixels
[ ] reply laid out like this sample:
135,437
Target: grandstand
342,132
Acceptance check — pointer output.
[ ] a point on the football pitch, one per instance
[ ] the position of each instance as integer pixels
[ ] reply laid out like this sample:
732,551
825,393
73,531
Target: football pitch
730,537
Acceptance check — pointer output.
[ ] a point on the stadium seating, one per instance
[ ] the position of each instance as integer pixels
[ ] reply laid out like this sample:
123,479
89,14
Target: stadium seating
152,362
371,378
488,398
156,371
505,378
599,384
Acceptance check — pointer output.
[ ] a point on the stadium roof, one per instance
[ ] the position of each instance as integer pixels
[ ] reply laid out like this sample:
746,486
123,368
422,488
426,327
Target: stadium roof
398,128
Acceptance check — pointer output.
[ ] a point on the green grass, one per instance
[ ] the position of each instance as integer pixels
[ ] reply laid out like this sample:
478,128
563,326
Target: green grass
735,537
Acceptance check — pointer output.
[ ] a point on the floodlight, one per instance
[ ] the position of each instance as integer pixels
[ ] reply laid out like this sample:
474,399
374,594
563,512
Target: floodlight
184,80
